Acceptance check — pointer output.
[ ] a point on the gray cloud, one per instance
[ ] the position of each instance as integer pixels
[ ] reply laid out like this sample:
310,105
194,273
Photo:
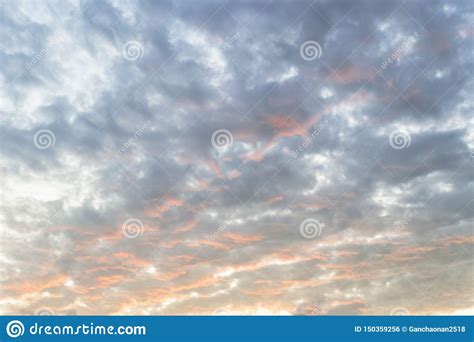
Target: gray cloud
221,228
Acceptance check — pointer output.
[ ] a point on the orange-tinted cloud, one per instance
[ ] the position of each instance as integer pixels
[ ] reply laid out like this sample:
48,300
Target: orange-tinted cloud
163,206
187,226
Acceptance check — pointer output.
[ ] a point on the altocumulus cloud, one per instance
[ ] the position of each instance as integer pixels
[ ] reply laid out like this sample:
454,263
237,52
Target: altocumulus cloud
235,157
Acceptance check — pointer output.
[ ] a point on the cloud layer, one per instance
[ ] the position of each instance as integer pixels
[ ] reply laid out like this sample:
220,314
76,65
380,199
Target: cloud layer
235,157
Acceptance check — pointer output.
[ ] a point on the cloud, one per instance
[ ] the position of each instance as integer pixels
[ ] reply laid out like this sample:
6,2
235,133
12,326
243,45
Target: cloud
220,227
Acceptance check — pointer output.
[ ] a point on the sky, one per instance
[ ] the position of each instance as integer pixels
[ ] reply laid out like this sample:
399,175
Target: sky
236,157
